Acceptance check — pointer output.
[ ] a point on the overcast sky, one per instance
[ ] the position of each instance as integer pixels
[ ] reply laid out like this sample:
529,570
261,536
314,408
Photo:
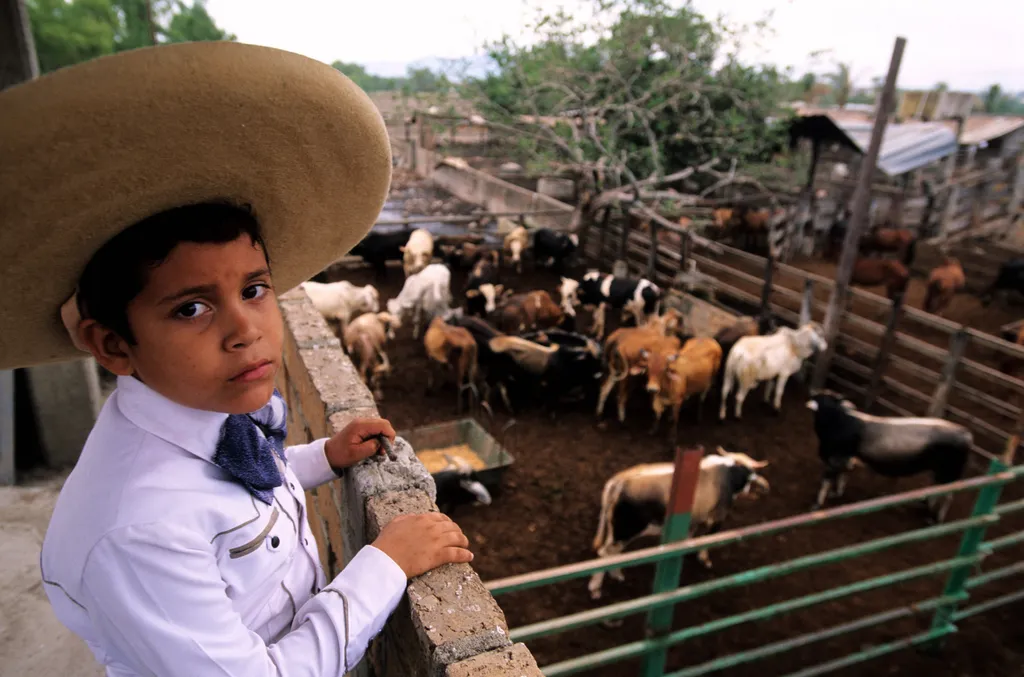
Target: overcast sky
968,44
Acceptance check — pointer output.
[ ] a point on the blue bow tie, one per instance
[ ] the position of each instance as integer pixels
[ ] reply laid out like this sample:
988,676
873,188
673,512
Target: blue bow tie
248,443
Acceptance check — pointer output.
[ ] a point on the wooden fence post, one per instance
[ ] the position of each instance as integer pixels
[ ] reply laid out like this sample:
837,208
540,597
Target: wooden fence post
806,305
957,346
858,220
1017,196
981,194
652,254
766,288
948,172
625,237
603,236
882,360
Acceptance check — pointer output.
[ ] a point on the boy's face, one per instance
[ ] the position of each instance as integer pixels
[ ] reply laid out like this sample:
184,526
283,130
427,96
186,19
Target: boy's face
207,327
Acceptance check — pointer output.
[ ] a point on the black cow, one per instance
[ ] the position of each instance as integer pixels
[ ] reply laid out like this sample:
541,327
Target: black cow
891,446
379,248
639,297
541,370
1010,278
459,484
552,248
482,288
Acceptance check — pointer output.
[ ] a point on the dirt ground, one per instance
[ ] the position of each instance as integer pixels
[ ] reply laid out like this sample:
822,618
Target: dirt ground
32,640
546,515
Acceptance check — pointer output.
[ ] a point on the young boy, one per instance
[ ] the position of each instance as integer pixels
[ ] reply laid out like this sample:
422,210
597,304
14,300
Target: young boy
180,543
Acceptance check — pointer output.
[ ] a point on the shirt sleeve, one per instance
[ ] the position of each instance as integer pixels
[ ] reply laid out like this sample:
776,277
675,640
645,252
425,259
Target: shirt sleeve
309,463
154,592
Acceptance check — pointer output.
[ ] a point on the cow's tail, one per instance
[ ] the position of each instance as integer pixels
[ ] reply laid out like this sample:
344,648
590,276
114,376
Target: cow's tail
932,295
609,498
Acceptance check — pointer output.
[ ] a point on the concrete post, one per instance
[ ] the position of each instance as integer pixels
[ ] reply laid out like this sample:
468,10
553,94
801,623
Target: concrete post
17,50
66,398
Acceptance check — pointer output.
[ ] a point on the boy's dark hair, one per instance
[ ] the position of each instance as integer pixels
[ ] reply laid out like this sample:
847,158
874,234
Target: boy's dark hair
119,270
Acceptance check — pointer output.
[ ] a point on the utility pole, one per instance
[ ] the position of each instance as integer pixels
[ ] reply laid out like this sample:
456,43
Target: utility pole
858,219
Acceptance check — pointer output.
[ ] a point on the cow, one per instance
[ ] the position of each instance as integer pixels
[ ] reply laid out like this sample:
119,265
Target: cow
768,358
552,247
482,290
634,501
379,248
532,310
1009,278
539,364
640,297
342,300
872,272
691,371
426,291
943,283
515,242
459,483
418,251
452,347
631,351
891,446
364,340
899,241
743,326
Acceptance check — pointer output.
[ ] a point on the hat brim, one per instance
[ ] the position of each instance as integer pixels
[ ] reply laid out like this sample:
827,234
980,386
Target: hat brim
88,150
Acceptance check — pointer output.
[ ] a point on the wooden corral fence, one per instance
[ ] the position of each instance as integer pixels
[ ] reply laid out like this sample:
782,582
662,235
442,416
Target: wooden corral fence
898,359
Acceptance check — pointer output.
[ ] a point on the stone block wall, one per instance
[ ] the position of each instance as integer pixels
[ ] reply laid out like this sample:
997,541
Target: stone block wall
448,625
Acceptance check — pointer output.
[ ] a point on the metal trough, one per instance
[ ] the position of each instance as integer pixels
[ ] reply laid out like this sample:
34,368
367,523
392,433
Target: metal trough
465,431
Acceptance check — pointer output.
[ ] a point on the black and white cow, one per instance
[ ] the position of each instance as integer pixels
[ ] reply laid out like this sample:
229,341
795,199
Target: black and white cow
639,297
482,288
633,503
891,446
458,484
1010,278
552,248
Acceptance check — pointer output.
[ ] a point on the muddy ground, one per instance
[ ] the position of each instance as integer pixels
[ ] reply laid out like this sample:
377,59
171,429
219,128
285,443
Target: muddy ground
546,514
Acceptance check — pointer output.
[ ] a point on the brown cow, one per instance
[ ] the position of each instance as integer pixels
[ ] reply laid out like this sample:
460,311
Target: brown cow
532,310
691,371
873,272
630,352
890,240
364,342
943,283
452,347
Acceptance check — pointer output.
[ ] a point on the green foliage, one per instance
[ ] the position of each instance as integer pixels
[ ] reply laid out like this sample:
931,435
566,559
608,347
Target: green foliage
415,80
998,102
639,87
67,32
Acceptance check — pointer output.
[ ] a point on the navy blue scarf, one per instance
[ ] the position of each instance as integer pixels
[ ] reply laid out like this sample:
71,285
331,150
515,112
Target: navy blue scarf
247,446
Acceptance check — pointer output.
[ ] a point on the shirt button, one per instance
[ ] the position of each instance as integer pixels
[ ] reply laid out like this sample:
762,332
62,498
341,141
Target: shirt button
274,541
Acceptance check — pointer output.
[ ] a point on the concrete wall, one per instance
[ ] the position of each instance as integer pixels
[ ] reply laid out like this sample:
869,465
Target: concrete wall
448,625
480,188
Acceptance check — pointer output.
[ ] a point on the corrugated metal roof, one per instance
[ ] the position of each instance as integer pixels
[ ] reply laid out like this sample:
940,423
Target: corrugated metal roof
982,128
905,147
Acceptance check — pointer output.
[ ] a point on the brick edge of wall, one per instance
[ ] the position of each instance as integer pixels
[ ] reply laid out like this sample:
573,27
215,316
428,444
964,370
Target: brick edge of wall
448,625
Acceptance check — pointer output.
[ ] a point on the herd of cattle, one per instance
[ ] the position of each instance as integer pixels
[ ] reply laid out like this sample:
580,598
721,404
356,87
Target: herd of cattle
528,347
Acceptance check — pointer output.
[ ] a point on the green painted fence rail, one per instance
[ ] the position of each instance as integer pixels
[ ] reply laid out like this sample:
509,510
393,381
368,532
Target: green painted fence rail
947,608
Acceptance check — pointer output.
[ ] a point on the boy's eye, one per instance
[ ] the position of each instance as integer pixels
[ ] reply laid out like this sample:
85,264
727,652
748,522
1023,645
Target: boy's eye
192,310
255,291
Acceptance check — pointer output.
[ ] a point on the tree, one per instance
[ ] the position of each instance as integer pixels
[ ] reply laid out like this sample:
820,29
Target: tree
841,84
992,98
67,32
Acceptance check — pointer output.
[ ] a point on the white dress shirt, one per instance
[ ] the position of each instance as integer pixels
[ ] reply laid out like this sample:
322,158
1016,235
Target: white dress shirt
166,566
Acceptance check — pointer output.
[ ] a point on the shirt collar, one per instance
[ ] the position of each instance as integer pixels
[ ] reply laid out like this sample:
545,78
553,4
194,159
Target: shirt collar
194,430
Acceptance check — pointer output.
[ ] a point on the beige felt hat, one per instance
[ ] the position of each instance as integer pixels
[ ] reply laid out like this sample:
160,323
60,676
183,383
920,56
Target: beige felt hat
88,150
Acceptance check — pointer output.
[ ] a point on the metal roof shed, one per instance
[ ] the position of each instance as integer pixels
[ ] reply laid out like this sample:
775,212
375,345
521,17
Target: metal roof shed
905,147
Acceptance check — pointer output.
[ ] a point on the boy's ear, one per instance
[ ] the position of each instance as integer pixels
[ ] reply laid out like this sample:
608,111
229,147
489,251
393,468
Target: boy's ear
109,349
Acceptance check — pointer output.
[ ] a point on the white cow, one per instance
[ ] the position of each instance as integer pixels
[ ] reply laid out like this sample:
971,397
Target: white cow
766,358
426,291
418,251
343,300
515,242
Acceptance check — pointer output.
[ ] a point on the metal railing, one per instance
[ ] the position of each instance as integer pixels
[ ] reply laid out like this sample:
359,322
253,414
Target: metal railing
947,608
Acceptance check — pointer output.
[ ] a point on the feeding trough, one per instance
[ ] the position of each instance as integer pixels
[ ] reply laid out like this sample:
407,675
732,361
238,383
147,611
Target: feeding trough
452,435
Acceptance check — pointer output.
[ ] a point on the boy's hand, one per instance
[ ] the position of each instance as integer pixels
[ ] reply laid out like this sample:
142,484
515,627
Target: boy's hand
356,441
419,543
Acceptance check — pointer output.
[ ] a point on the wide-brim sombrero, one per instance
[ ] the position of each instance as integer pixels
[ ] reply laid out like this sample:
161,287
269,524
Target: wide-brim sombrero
88,150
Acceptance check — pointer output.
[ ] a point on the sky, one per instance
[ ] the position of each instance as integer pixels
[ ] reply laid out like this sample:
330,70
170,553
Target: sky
968,45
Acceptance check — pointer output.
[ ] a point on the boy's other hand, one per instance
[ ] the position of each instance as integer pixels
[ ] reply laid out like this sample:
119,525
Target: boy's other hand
358,440
419,543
